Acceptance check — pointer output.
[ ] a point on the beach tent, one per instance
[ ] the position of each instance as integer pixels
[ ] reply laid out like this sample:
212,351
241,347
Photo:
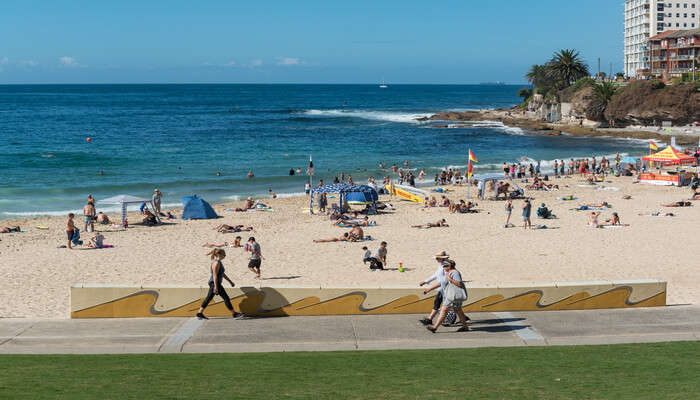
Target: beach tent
361,193
495,177
124,200
197,208
671,156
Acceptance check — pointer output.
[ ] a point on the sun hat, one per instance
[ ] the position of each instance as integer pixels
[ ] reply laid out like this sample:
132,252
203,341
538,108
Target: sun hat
442,254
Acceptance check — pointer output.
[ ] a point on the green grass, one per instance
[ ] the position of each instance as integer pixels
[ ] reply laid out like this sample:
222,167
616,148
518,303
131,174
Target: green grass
630,371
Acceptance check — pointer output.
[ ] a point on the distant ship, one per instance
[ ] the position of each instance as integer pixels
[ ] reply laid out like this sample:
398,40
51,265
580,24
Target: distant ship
497,83
383,85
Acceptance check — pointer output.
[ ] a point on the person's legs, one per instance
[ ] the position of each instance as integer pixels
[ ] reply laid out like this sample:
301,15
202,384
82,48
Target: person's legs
205,302
462,317
443,313
70,238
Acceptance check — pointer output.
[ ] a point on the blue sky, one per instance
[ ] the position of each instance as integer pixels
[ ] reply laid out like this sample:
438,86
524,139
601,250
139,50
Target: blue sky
298,41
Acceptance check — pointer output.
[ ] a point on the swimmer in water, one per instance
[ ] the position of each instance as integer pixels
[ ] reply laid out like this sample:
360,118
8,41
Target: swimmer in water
100,172
218,173
250,174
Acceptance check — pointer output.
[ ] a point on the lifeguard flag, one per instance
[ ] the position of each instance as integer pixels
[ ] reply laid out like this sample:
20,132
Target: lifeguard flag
470,167
653,146
310,171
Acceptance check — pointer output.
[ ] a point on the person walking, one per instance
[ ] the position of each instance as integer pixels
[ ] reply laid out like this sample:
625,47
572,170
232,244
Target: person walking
216,276
454,294
255,256
157,196
509,210
527,209
437,276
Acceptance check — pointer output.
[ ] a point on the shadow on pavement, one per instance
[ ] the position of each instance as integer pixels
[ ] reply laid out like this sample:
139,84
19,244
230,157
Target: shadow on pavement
498,328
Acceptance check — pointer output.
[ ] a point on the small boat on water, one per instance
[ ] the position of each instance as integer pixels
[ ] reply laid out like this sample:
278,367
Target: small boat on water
383,85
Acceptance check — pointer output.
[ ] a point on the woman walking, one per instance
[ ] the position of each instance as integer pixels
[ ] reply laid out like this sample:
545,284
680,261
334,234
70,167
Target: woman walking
454,293
217,274
509,210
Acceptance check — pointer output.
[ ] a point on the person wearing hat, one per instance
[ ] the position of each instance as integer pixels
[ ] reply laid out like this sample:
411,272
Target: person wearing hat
439,275
157,195
453,279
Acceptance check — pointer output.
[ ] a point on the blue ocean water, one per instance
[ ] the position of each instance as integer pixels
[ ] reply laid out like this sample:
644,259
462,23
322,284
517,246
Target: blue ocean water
176,138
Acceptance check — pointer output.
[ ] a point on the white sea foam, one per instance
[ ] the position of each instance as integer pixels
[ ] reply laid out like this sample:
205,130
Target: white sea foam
78,212
389,116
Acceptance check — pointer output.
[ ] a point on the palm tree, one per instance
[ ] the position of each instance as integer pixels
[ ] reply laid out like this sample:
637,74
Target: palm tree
525,93
566,67
602,93
537,76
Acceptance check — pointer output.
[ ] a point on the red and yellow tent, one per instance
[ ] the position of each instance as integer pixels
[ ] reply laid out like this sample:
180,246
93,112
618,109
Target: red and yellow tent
671,156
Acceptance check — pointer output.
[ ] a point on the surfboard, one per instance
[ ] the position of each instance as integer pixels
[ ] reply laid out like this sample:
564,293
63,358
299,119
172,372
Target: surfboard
407,193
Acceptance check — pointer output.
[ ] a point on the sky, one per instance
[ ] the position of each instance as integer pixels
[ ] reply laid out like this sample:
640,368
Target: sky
216,41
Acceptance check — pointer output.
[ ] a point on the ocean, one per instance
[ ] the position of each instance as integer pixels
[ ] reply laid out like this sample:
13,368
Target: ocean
177,137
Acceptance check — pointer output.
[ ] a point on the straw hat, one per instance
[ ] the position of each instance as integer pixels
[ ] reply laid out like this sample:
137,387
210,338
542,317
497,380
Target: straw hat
442,254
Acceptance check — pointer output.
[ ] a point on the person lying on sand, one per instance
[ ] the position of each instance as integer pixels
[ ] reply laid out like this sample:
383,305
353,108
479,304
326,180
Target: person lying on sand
9,229
603,204
658,214
440,223
344,238
246,206
350,222
356,234
97,241
678,204
462,207
236,243
224,228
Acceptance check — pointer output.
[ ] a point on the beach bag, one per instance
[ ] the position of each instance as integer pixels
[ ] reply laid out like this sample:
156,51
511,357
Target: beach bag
450,318
454,293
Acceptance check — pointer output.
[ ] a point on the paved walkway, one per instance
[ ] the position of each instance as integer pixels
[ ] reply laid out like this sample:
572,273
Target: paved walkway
189,335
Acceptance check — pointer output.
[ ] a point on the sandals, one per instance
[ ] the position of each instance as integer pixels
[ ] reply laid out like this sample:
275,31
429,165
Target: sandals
425,321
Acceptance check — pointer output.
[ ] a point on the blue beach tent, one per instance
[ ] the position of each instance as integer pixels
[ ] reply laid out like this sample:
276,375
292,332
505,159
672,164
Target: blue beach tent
197,208
351,194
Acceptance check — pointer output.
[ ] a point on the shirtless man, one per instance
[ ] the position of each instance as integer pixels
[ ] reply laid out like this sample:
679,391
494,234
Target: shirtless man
440,223
357,233
70,229
247,206
445,202
9,229
343,238
89,216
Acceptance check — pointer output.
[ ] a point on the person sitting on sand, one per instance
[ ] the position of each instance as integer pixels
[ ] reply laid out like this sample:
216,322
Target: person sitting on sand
615,221
10,229
224,228
102,218
544,212
502,188
440,223
246,206
236,243
678,204
97,241
593,219
445,202
344,238
433,202
149,218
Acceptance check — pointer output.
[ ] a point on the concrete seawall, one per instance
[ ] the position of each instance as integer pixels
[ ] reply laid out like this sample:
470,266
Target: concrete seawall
121,301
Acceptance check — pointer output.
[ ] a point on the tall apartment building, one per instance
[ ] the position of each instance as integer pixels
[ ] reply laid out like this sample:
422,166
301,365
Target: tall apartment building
647,18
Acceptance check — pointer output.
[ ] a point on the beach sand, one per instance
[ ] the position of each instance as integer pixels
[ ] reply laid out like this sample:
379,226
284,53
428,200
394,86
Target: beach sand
36,275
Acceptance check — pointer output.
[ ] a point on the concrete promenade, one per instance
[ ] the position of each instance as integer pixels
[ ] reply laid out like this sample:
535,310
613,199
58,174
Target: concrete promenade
366,332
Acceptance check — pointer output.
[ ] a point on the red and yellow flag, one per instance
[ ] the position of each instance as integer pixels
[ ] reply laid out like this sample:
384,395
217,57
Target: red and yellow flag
470,167
653,146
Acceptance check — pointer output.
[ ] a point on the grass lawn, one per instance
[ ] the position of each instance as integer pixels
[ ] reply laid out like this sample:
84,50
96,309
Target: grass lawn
629,371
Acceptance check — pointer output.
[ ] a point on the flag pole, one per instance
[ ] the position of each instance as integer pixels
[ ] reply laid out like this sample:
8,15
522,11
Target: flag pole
469,175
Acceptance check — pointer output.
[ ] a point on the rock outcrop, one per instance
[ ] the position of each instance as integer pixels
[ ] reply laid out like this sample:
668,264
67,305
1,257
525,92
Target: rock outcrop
648,102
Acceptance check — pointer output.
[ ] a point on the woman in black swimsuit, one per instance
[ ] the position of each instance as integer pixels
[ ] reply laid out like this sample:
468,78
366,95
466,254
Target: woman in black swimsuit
217,274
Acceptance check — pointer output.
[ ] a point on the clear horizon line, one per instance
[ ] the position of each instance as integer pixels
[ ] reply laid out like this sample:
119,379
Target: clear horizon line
263,83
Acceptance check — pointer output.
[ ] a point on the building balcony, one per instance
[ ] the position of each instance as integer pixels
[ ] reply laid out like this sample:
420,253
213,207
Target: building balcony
682,57
658,71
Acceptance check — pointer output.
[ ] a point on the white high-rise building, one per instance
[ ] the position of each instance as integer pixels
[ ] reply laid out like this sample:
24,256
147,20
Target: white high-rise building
647,18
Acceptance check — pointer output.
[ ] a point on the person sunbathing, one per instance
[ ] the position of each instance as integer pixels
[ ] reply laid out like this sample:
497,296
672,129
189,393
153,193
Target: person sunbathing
445,202
235,243
356,234
9,229
438,224
658,214
593,219
433,202
603,204
615,221
246,206
224,228
343,238
678,204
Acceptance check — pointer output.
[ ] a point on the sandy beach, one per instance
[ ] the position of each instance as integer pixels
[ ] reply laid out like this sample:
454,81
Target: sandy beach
37,275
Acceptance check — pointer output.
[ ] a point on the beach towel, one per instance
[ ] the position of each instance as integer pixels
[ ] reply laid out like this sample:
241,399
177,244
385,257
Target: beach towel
42,227
612,226
614,189
566,198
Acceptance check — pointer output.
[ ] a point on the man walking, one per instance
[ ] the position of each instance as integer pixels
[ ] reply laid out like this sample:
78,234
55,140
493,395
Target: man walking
157,196
255,256
527,208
